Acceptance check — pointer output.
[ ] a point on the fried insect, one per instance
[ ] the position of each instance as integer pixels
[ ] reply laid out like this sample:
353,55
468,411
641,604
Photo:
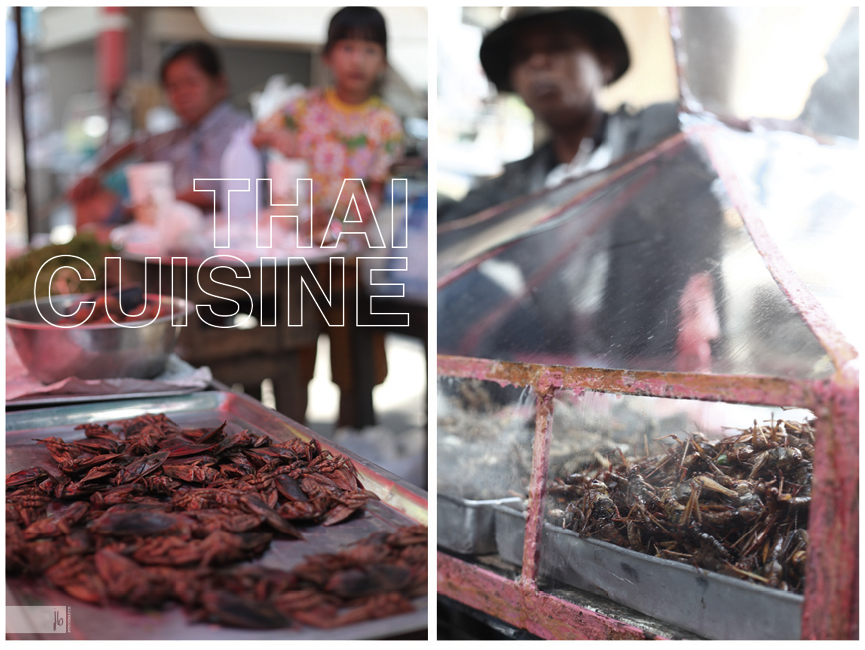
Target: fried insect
737,505
145,512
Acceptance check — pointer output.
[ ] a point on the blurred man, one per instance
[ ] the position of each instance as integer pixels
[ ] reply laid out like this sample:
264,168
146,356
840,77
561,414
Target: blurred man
197,90
659,306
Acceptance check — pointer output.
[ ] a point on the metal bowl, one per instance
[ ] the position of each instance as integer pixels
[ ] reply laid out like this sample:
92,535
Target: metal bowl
101,351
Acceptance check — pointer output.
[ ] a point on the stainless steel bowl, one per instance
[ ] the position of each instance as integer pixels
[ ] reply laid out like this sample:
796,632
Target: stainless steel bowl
100,351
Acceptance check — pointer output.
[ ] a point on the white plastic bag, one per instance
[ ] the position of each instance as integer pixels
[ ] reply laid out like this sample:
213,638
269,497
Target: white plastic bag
241,160
276,94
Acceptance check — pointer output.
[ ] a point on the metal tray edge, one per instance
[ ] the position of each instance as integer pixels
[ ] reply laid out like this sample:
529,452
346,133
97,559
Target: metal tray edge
783,598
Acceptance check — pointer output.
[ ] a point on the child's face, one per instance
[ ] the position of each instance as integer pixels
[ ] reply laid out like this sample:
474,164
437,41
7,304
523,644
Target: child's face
356,64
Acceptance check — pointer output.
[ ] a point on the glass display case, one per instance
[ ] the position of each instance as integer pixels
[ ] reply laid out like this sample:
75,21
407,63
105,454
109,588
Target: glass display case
642,379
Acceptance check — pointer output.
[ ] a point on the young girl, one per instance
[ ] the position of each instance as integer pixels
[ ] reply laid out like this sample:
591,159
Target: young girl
344,131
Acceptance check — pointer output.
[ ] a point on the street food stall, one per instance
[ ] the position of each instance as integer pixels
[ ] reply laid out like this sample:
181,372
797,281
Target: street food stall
256,53
139,484
146,499
647,418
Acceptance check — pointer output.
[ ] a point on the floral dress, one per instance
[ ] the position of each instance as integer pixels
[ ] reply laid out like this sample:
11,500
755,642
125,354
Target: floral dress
342,141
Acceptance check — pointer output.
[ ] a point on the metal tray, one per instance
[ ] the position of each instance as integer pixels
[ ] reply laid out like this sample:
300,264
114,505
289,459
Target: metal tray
466,526
703,602
401,504
64,400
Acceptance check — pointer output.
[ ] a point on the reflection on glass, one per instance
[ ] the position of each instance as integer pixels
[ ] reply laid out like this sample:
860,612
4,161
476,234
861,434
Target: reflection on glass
651,271
779,62
809,199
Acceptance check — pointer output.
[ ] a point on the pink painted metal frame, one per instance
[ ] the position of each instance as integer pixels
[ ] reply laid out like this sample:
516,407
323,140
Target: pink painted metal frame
831,609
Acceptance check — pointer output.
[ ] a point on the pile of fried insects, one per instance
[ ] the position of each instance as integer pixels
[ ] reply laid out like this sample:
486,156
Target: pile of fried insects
144,512
738,506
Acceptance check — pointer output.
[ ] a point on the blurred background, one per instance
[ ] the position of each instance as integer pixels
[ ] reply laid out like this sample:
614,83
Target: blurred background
784,63
81,79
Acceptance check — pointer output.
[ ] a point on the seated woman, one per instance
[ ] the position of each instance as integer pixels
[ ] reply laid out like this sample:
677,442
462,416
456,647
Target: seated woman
192,75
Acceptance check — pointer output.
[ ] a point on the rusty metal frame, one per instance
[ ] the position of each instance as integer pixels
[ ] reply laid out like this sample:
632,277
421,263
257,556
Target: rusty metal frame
831,596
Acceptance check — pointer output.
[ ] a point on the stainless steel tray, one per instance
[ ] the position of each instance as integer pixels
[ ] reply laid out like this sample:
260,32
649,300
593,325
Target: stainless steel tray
401,504
466,526
64,400
703,602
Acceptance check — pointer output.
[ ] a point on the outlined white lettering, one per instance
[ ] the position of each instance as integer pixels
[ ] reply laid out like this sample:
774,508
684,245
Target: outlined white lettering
366,267
51,284
303,189
359,222
337,266
148,265
200,309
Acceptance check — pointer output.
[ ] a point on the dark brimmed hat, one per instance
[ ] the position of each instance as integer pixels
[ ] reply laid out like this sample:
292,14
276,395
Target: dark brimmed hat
602,33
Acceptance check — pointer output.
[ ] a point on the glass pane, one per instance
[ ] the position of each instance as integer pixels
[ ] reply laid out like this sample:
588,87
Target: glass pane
723,487
459,242
652,270
788,63
809,199
484,440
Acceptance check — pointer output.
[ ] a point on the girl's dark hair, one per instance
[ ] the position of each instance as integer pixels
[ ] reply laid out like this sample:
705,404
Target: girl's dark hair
365,23
202,54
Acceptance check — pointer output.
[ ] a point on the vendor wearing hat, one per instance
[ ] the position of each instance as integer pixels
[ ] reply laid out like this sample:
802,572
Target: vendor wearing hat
558,60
